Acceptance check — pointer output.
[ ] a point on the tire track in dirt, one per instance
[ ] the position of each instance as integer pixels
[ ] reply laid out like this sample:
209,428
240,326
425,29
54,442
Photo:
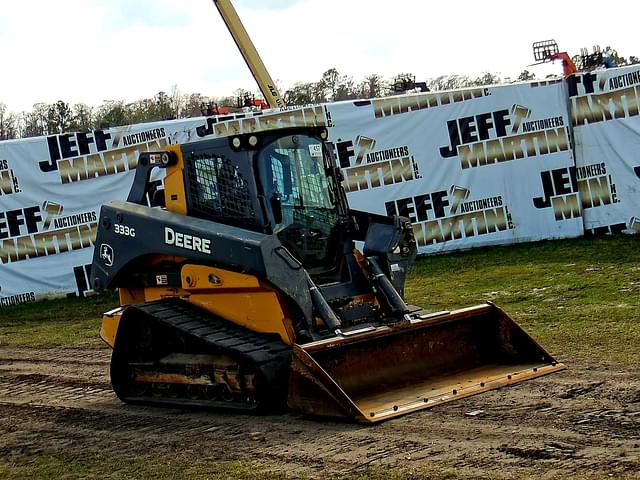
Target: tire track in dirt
54,376
575,423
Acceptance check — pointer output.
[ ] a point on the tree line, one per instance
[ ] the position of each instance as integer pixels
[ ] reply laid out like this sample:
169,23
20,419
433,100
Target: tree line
58,117
61,116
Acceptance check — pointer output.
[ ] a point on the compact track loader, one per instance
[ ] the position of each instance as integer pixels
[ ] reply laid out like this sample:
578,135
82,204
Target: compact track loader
244,290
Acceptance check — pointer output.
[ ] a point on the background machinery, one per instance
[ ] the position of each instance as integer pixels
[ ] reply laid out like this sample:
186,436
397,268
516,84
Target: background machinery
548,51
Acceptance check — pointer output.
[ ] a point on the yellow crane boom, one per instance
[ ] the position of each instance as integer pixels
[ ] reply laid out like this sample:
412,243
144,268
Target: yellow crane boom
249,53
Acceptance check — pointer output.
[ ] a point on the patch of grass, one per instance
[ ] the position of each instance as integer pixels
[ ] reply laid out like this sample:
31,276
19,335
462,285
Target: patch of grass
94,466
576,297
50,323
435,473
69,463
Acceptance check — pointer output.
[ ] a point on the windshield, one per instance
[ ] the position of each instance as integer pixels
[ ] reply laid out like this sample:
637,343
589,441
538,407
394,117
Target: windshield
295,185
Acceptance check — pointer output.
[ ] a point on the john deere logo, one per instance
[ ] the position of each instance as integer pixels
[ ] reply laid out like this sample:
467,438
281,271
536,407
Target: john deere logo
106,254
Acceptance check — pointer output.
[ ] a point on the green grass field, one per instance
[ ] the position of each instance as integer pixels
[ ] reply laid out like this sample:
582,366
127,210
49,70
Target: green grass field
49,323
576,297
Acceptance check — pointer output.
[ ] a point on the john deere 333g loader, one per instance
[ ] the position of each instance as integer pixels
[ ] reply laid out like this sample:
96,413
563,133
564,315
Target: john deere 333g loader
244,290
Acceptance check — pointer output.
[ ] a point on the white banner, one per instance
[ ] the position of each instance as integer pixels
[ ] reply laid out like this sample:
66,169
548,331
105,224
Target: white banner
52,188
475,167
51,192
604,108
467,167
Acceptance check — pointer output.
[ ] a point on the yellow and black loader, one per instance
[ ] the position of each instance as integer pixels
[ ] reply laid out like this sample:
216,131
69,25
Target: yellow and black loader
241,287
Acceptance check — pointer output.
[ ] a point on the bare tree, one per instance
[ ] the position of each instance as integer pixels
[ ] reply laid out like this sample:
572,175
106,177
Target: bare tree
301,93
36,122
163,107
82,117
487,78
329,83
112,113
449,82
58,117
371,87
8,123
193,105
346,89
526,76
177,102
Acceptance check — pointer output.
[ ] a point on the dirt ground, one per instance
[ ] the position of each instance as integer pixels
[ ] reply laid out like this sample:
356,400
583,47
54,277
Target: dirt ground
580,423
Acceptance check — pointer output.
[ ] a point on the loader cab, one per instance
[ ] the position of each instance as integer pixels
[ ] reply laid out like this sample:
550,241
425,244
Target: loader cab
275,183
300,204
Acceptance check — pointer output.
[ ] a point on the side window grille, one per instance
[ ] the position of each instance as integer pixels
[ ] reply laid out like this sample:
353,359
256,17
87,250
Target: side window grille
218,189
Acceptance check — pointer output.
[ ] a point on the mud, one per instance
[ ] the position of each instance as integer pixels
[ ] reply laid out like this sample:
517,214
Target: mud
580,423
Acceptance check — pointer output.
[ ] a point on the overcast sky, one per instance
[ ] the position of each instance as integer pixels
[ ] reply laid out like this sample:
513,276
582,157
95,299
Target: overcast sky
95,50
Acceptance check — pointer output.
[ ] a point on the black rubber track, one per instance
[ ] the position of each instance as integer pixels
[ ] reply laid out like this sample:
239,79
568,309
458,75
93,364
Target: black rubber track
175,321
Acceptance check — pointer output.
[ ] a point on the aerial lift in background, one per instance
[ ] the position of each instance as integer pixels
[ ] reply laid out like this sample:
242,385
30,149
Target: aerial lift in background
548,51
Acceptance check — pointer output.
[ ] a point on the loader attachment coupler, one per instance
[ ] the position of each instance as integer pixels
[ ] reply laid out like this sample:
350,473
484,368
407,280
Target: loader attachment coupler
388,371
